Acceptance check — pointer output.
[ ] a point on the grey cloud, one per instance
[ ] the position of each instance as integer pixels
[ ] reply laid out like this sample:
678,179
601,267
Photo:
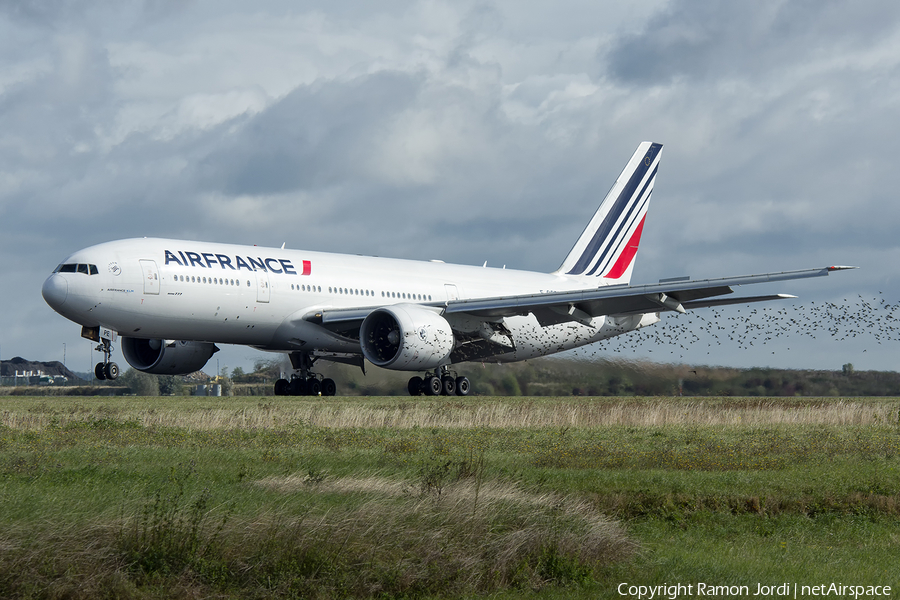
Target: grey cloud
699,39
312,138
779,121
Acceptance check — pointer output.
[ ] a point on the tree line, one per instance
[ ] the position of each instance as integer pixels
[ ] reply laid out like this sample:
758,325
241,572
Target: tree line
540,377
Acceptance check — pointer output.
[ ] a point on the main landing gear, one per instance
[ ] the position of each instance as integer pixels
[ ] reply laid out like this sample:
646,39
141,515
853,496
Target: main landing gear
439,383
303,381
106,369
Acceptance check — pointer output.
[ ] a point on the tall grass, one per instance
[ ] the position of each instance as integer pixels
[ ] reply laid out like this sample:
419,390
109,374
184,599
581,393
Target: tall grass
490,413
157,498
403,539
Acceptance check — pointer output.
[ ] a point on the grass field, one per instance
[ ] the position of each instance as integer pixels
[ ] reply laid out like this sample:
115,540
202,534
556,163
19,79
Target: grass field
387,497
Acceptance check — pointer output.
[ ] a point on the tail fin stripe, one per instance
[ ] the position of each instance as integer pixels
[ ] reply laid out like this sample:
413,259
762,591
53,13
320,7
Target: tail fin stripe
625,197
637,209
628,253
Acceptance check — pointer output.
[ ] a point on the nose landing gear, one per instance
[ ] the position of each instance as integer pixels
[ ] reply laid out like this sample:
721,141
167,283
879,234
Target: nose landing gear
106,369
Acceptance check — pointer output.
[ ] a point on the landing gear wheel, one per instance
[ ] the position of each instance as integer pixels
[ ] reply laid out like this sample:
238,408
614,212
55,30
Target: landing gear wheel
329,388
111,370
282,387
448,385
462,386
415,386
433,386
313,387
106,369
297,387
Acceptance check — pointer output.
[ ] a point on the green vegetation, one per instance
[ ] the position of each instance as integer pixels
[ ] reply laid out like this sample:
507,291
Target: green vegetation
547,377
380,497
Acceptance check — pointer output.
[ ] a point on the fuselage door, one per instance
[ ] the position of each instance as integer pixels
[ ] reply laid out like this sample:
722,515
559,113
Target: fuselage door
262,285
452,292
151,277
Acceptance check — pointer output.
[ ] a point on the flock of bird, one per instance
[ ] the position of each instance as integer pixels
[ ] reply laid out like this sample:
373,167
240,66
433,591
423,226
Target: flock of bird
871,320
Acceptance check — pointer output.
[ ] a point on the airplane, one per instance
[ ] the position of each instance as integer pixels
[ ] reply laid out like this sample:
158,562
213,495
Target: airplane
171,301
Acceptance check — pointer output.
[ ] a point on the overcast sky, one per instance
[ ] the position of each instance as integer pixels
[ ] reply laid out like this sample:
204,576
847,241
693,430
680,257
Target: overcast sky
465,131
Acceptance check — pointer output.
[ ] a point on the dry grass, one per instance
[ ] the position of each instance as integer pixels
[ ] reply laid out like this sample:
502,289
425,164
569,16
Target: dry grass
237,414
469,539
472,535
478,495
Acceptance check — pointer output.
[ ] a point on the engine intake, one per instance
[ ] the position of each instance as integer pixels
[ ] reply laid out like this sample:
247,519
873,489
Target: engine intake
167,357
406,337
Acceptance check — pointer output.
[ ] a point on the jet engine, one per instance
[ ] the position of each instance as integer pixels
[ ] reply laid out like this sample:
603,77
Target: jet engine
406,337
167,357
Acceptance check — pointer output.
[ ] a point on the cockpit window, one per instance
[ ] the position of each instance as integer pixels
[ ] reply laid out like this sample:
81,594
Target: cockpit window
77,268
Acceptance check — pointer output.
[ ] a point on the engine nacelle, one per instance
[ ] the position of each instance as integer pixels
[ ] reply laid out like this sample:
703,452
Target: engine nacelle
167,357
406,337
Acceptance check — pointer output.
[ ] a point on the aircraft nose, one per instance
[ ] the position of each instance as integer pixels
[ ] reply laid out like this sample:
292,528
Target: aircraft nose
55,291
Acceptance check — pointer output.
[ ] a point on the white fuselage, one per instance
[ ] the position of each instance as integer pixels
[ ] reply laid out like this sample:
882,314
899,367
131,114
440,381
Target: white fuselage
222,293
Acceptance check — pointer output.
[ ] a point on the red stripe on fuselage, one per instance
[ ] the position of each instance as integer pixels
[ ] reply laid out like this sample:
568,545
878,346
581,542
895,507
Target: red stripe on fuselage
628,253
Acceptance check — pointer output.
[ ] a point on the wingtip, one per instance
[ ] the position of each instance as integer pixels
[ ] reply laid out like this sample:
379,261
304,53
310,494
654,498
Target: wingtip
841,268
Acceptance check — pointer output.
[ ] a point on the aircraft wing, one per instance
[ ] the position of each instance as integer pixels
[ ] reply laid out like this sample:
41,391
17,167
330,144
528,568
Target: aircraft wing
672,295
582,305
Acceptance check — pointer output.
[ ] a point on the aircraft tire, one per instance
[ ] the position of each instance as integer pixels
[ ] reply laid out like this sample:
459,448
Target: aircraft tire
415,386
448,385
297,387
282,387
329,388
313,387
433,386
100,372
111,370
462,386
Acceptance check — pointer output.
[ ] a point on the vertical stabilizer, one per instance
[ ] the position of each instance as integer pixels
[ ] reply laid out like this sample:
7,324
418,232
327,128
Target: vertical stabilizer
608,245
